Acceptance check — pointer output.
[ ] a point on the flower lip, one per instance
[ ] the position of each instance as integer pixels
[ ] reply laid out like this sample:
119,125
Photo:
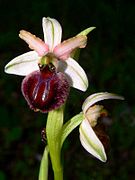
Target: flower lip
46,89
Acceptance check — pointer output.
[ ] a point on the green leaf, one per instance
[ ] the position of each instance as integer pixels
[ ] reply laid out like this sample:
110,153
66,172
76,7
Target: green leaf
43,173
70,125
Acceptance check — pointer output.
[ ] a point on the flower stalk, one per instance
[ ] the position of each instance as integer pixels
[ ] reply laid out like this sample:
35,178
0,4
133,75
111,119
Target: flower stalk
53,132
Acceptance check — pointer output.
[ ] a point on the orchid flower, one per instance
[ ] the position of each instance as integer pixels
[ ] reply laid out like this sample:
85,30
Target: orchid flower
49,68
51,50
92,112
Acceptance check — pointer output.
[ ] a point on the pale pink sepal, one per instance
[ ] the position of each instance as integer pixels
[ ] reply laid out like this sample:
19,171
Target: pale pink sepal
34,42
91,142
24,64
63,50
52,32
75,74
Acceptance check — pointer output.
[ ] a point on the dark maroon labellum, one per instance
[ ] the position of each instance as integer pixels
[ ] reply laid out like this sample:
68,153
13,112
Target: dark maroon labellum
46,89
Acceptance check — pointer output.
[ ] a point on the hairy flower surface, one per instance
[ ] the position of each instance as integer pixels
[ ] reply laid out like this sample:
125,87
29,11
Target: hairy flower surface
90,139
46,89
43,88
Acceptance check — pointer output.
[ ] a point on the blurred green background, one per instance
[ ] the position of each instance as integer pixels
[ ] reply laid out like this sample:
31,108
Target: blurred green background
109,61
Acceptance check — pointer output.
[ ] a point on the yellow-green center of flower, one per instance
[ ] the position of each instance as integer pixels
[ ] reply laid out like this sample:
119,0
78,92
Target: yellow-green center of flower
47,59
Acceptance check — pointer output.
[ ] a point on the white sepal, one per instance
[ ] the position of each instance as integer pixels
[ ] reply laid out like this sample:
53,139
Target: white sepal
24,64
90,141
75,74
94,98
52,32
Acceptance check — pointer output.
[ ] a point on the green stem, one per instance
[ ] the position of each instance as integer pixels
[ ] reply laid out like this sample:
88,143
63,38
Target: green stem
58,175
54,132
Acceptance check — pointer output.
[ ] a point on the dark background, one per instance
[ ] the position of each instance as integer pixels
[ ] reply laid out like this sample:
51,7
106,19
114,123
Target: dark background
109,62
